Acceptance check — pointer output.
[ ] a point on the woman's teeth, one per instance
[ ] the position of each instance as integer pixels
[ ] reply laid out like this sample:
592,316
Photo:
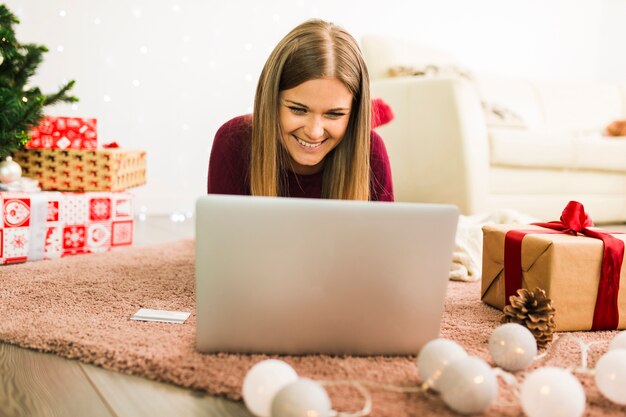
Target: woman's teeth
307,144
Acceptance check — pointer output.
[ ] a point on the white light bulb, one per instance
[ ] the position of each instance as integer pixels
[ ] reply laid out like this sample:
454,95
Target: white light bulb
62,13
619,341
262,382
552,392
512,346
434,357
468,385
610,375
302,398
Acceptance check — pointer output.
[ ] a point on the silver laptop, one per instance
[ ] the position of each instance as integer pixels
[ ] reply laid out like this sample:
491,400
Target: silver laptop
299,276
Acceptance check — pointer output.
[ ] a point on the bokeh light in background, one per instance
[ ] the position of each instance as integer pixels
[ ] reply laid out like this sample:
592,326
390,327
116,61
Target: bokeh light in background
163,75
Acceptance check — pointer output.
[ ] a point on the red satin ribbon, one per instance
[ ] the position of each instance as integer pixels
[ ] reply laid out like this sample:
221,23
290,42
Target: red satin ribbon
574,221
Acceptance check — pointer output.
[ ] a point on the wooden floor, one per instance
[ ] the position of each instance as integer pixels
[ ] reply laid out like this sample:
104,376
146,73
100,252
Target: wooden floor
40,384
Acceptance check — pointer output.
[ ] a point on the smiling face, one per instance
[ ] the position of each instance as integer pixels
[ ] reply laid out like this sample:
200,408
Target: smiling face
314,117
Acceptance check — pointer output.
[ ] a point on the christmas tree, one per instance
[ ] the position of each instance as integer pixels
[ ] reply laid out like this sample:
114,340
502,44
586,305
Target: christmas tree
21,106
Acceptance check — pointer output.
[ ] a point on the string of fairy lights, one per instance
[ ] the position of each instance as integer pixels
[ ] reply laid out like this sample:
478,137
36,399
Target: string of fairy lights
467,384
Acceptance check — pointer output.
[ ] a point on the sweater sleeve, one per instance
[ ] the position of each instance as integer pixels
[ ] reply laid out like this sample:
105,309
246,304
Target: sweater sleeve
381,184
229,161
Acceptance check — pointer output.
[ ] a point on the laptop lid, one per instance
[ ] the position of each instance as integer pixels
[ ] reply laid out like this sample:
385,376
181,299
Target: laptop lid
298,276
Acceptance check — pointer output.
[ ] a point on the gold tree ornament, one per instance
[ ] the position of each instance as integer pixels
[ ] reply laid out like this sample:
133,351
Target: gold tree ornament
533,310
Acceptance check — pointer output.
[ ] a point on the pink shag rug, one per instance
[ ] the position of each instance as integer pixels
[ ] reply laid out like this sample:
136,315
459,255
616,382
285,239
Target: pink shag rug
80,308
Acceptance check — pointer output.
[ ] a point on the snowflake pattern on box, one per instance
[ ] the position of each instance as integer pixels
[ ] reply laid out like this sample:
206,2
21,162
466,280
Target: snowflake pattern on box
15,244
99,209
74,238
76,223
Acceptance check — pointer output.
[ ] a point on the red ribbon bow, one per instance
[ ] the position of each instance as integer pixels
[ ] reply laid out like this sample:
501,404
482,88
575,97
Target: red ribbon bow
574,221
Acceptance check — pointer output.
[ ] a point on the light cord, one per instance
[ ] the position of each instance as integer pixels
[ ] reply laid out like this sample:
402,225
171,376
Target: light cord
584,357
583,368
367,408
360,386
510,380
425,387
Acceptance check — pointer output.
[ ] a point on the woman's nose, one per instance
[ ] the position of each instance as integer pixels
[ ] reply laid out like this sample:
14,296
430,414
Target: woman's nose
314,128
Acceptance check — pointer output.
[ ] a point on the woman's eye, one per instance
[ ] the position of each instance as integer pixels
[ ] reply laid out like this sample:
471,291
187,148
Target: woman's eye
335,115
297,110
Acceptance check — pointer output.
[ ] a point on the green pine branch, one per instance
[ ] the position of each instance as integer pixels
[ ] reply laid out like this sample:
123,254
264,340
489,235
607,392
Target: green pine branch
21,108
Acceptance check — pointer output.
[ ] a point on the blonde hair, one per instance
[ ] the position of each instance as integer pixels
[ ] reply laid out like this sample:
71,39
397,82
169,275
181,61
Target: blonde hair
315,49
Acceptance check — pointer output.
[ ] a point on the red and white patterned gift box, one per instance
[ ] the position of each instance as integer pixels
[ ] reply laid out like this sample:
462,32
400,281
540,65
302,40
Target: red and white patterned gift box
51,224
57,132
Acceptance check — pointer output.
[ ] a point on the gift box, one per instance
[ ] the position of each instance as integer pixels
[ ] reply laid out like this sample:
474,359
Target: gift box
569,266
113,169
50,225
64,133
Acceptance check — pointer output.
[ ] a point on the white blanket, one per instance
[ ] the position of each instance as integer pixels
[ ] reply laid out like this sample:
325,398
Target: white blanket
468,245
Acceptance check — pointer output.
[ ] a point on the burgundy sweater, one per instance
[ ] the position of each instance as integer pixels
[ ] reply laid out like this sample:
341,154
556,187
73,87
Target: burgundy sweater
229,166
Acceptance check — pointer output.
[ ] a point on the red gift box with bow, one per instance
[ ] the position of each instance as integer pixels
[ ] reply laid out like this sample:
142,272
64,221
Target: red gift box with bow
580,267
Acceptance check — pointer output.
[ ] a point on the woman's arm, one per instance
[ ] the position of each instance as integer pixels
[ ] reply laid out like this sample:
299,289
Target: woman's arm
229,161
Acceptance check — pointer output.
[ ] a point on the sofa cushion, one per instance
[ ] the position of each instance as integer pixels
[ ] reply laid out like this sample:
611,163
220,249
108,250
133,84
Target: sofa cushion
556,149
580,105
519,96
381,53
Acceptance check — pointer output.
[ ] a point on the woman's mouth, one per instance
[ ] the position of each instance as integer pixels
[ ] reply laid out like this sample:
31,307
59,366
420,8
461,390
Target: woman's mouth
308,145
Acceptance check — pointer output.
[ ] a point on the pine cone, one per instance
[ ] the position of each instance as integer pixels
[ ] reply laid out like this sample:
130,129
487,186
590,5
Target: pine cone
533,310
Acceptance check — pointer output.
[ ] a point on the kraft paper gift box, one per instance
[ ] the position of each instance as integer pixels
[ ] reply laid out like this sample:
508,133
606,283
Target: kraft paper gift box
49,225
114,169
567,267
58,132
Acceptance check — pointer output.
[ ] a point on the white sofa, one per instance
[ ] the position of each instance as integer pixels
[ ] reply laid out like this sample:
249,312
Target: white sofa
443,146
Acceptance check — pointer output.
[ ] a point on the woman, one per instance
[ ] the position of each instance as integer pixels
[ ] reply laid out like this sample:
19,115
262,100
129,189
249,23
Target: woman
309,135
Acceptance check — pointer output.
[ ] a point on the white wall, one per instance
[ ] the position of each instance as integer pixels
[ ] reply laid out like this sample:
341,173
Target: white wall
163,75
